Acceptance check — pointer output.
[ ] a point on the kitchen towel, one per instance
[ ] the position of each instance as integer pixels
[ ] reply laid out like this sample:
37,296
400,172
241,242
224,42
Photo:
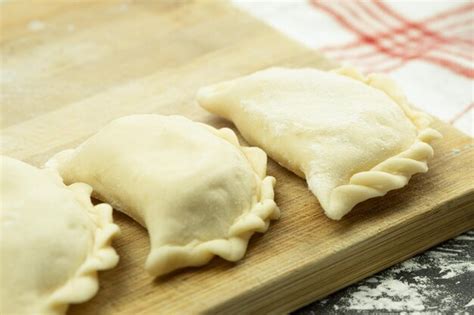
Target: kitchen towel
426,46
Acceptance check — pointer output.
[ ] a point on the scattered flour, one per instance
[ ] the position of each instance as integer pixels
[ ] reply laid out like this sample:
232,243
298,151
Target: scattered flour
454,270
120,7
449,263
465,237
36,26
390,294
434,282
372,280
70,27
408,266
123,7
7,76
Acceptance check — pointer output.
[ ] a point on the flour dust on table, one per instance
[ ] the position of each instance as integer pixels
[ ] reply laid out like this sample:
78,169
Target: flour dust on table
440,280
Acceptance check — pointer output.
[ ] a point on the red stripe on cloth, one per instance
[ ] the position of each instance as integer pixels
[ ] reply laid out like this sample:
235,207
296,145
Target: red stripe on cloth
409,41
363,36
460,54
448,28
467,8
426,31
425,40
369,56
377,14
360,16
455,25
460,40
413,25
461,113
455,67
340,17
368,61
394,31
384,41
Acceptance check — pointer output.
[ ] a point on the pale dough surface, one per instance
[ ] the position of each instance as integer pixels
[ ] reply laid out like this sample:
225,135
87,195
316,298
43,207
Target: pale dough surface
53,241
325,126
196,190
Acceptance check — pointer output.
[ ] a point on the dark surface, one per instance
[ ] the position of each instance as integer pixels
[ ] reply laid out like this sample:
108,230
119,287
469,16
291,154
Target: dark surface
440,280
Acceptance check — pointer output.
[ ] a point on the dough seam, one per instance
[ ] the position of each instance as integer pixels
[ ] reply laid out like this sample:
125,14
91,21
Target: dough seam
83,285
394,172
234,247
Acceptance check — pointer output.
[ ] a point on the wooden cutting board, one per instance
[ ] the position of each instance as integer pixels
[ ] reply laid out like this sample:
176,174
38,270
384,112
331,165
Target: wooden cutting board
68,68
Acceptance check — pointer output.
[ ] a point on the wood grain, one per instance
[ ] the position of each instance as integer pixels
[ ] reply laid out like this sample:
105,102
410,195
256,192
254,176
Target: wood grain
98,60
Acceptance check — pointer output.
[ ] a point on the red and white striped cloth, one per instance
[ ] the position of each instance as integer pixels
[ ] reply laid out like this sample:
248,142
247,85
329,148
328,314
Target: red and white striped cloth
426,46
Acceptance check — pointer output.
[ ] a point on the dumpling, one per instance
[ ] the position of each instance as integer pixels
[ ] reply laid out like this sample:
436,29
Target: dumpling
53,241
196,190
352,137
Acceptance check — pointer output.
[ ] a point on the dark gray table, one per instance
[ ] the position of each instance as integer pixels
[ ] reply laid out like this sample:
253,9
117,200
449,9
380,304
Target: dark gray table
440,280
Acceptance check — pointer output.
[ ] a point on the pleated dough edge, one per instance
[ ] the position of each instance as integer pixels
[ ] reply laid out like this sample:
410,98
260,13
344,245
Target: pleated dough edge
84,284
394,172
166,259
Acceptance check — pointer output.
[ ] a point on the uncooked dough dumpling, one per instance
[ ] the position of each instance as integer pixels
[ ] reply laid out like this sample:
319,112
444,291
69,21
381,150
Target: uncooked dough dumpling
53,241
352,137
196,190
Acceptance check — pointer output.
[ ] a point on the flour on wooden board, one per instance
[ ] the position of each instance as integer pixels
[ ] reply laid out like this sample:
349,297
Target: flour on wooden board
36,25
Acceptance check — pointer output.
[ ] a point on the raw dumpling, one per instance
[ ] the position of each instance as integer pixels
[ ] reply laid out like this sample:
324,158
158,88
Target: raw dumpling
53,241
352,137
196,190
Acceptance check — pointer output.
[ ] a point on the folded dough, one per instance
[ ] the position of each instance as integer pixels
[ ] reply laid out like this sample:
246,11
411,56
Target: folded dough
196,190
53,241
352,137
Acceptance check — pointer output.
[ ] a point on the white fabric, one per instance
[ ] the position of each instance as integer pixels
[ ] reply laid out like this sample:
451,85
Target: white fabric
435,89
